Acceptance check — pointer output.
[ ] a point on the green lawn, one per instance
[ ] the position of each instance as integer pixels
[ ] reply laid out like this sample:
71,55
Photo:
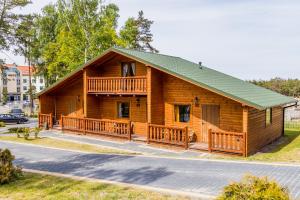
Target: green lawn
36,186
49,142
287,151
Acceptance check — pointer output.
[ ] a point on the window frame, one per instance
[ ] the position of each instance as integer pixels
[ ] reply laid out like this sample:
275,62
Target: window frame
268,119
128,64
174,112
117,113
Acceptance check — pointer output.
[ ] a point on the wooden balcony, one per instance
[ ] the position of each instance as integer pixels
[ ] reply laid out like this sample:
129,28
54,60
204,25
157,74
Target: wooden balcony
117,85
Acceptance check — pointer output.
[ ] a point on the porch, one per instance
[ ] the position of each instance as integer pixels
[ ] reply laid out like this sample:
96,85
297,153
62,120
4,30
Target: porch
218,140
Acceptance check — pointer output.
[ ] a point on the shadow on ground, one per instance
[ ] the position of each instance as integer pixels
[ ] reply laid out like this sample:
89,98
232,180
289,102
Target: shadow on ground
91,165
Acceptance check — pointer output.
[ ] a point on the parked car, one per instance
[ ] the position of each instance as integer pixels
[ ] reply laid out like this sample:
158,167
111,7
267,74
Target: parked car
17,112
9,118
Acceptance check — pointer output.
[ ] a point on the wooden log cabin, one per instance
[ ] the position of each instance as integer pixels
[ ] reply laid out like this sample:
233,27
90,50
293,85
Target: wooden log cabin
164,99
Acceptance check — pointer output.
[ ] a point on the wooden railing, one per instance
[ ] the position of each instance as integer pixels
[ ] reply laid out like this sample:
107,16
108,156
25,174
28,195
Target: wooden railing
168,135
97,126
42,118
117,85
223,141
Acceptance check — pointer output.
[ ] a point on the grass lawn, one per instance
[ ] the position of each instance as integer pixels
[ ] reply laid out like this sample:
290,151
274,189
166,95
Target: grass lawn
36,186
286,151
49,142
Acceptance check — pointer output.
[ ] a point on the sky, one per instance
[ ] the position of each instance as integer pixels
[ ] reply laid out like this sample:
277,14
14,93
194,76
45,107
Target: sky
249,39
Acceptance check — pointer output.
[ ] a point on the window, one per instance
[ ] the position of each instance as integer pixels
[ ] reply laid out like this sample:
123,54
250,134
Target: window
128,69
268,116
33,80
182,113
123,110
24,80
18,89
41,87
25,97
24,88
41,80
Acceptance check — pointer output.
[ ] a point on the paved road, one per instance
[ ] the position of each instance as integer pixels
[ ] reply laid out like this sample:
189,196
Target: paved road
198,176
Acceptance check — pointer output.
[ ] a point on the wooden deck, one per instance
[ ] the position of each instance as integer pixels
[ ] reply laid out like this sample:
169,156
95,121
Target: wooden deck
218,140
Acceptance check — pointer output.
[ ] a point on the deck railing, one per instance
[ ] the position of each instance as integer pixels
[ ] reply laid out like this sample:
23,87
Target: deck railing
97,126
117,85
223,141
168,135
42,118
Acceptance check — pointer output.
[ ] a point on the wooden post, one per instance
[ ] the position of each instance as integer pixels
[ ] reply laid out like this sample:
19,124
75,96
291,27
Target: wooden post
39,120
245,129
85,93
186,137
148,85
209,140
148,133
244,144
62,122
129,130
84,126
51,121
283,121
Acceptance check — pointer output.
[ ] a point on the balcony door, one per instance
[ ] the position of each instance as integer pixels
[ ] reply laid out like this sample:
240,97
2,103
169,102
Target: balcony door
128,69
210,120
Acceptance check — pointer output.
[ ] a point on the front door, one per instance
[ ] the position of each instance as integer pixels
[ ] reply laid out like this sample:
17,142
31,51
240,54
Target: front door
210,120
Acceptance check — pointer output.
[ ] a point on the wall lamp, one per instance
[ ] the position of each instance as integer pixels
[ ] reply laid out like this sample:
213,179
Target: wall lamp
196,101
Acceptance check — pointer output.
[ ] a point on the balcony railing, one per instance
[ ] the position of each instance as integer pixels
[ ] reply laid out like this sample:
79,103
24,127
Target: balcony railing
117,85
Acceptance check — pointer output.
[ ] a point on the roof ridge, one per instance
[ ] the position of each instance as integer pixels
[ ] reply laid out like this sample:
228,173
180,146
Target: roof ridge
117,47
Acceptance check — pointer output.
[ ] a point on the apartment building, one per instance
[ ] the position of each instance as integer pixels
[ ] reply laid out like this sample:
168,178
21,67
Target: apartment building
16,82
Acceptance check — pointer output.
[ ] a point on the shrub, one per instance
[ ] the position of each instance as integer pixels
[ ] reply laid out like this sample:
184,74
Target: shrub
8,172
2,124
254,188
36,131
26,133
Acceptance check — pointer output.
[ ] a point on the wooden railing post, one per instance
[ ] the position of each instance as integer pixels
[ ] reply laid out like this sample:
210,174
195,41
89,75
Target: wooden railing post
39,120
62,122
84,126
51,121
244,144
186,137
148,133
209,140
129,130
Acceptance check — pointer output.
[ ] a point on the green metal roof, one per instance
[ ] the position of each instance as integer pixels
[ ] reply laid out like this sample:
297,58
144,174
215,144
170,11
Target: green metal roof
205,77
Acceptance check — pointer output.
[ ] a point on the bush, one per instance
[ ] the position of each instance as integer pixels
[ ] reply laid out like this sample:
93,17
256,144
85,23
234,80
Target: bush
254,188
26,133
8,172
36,131
2,124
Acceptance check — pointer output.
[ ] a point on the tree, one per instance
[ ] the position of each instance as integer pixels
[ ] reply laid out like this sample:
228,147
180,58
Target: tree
289,87
45,36
8,20
24,42
71,32
137,34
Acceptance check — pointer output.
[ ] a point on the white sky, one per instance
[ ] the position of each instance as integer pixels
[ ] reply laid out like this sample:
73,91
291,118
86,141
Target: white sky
249,39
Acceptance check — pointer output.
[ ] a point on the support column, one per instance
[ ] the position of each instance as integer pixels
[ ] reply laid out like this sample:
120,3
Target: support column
149,120
84,93
245,128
